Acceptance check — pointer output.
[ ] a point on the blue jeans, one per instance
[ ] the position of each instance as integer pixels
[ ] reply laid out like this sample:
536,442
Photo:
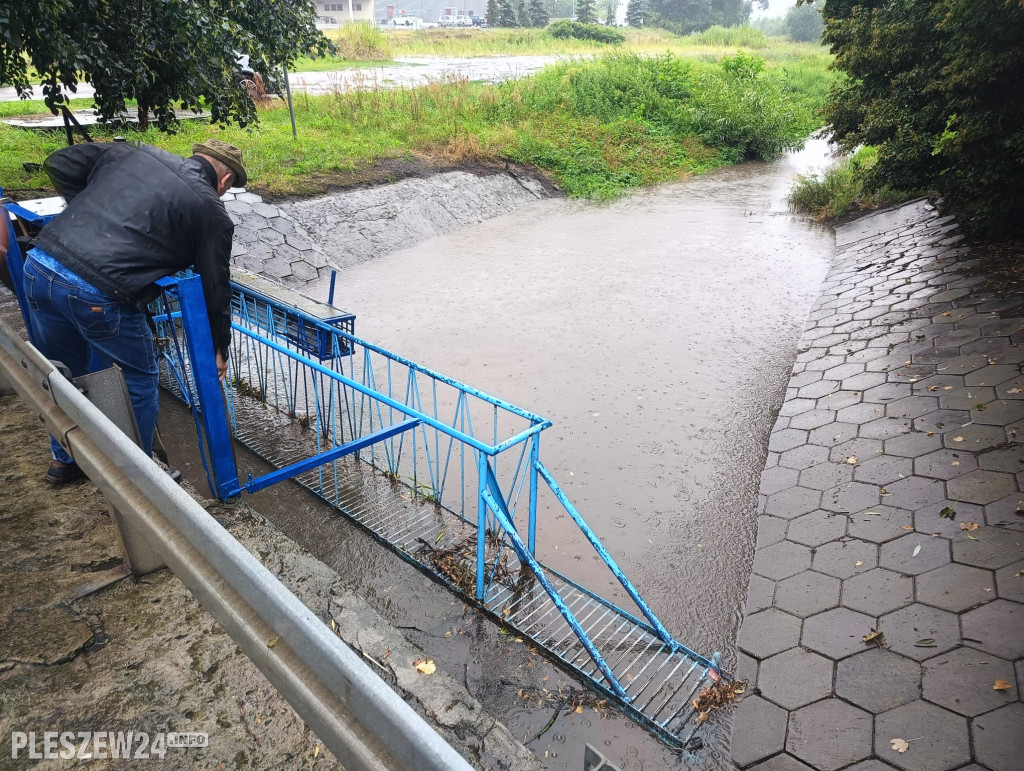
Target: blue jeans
70,320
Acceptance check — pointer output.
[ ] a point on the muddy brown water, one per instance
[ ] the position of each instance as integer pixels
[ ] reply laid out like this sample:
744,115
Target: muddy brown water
658,333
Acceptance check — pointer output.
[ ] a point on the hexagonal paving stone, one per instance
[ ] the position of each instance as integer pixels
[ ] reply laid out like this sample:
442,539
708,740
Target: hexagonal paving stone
859,449
776,479
877,591
942,421
1010,582
781,560
914,554
981,487
760,594
991,547
966,398
914,492
885,428
905,629
860,413
786,439
819,389
850,497
911,406
812,419
975,437
781,762
817,528
955,587
962,681
807,593
878,680
832,434
945,464
829,734
770,530
940,737
793,407
863,381
826,475
879,523
836,633
913,445
795,677
886,393
1006,512
997,737
876,765
844,559
998,413
838,400
883,470
793,502
931,519
1009,459
996,628
759,730
768,632
803,457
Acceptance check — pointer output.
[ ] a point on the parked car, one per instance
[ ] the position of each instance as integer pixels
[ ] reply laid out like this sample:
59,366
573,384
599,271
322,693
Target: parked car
446,21
463,21
479,21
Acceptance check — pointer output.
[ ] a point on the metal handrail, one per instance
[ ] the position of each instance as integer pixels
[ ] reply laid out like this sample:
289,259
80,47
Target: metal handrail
357,716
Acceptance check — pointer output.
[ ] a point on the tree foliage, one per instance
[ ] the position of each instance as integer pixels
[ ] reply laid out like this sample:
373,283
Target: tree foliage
803,23
172,55
686,16
938,88
586,11
538,14
635,11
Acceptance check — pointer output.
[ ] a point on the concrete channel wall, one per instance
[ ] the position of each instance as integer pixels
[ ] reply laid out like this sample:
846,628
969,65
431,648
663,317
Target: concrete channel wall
884,622
298,242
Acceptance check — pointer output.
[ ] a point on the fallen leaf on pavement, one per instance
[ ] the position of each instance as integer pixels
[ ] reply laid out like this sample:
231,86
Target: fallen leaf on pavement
1001,685
900,745
917,550
876,636
958,438
425,666
858,563
927,642
852,460
906,527
948,513
972,537
968,525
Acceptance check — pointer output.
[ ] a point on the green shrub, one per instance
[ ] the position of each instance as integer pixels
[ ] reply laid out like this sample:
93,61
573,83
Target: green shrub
362,41
730,37
841,190
574,29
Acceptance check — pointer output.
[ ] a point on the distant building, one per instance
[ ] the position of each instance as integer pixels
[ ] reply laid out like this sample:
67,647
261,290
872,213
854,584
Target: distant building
343,11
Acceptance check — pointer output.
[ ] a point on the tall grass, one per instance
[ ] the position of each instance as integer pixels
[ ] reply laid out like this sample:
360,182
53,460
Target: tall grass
840,190
598,126
729,37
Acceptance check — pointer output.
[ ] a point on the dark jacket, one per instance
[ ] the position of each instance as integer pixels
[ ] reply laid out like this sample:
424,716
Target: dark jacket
136,214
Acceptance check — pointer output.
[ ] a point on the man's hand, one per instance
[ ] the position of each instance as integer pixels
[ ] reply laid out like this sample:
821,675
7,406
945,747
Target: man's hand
222,366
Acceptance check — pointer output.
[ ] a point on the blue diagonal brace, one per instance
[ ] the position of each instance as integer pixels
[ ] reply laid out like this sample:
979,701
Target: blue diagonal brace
501,513
608,559
326,457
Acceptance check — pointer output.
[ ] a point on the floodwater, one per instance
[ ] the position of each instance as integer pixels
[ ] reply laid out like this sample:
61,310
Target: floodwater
658,333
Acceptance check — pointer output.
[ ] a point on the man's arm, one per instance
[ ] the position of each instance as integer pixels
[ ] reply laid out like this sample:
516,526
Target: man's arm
213,265
69,168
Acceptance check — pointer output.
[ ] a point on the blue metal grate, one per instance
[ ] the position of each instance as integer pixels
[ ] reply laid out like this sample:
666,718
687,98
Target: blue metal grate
446,475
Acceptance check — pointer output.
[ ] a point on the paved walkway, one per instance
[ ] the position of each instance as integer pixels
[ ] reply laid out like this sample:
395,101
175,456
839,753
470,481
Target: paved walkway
891,500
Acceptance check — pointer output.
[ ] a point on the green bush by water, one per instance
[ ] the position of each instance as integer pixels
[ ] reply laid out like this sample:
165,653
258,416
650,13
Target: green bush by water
840,191
574,29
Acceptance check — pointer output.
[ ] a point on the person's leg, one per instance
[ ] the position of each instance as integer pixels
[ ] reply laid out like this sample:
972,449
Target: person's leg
121,334
57,338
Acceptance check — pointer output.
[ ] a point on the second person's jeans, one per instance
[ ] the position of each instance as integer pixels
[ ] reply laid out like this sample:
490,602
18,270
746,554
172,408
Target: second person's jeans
69,320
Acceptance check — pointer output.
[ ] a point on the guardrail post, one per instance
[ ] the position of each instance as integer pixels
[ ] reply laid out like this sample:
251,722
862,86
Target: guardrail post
107,390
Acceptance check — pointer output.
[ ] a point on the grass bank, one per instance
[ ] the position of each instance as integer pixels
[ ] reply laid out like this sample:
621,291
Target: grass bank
599,127
842,192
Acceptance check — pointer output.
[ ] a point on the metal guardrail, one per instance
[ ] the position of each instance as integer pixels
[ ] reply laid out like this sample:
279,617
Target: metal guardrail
358,717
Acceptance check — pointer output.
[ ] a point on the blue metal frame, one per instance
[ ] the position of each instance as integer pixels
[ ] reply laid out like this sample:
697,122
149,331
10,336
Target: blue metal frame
16,260
352,399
